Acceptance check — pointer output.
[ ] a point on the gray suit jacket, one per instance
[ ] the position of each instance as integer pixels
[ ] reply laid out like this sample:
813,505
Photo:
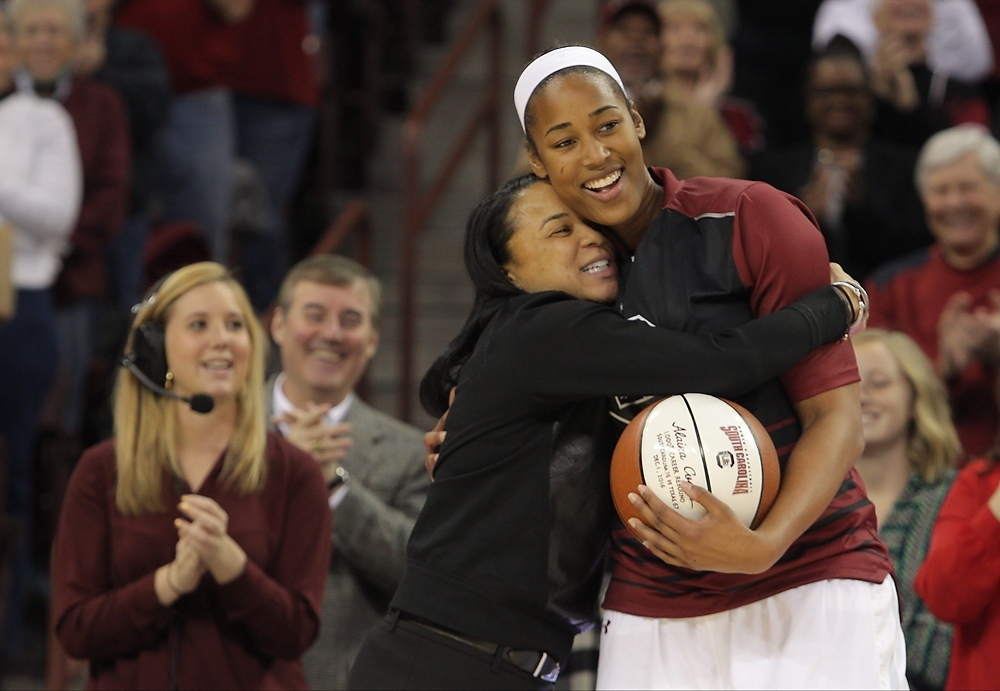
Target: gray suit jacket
371,527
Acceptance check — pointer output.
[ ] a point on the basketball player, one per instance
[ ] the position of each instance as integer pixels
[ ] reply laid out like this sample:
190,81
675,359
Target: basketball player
724,606
506,557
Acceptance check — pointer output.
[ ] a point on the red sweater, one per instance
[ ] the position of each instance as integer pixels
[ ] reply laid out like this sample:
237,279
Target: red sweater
909,296
102,133
276,62
960,579
247,634
201,49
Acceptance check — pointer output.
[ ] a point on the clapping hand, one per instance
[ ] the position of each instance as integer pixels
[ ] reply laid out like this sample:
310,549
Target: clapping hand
891,76
965,334
328,444
186,570
206,534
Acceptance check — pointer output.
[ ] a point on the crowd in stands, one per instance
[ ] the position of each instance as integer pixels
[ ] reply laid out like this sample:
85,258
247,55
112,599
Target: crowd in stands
130,130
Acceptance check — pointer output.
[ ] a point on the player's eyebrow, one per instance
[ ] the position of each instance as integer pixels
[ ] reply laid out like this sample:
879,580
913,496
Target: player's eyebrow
564,125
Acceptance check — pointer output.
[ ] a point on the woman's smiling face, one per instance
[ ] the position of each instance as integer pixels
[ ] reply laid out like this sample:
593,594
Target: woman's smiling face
587,143
552,249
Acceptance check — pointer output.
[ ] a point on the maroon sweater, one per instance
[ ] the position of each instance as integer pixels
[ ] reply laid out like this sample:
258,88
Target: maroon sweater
275,63
247,634
102,132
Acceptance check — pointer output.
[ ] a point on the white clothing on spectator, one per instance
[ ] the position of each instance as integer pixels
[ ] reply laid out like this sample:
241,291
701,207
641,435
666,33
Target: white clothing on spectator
41,184
958,45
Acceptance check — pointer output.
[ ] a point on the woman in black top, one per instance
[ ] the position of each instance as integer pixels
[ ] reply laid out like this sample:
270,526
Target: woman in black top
504,563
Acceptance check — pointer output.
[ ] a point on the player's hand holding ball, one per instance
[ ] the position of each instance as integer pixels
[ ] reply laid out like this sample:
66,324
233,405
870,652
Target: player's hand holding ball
691,474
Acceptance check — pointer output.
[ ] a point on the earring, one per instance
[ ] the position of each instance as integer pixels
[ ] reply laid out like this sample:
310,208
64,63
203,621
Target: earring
168,384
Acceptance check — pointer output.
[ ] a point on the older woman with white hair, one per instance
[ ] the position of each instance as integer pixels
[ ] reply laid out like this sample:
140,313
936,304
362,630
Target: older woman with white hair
47,34
947,297
40,189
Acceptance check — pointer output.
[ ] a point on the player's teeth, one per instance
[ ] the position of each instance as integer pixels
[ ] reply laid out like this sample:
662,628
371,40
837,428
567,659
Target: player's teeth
596,266
605,181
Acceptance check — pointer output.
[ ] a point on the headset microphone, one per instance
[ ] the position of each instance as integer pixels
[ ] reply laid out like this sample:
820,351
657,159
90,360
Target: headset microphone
200,402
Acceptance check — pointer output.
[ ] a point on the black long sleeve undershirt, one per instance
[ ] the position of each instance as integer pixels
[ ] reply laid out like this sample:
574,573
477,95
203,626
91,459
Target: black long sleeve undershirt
574,349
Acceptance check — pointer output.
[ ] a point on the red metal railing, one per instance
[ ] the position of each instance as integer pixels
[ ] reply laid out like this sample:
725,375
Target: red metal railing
418,204
354,219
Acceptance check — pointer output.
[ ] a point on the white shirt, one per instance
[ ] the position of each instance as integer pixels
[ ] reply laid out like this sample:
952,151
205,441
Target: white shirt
281,405
41,184
958,45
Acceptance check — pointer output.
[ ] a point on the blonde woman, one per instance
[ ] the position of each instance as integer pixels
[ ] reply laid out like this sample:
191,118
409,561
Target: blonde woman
697,66
911,447
192,548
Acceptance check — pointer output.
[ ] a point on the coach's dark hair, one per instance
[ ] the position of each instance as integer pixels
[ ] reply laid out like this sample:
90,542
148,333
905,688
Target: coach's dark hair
529,111
487,234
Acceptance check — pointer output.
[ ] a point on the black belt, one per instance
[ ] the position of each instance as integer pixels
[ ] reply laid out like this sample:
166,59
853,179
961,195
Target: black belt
537,663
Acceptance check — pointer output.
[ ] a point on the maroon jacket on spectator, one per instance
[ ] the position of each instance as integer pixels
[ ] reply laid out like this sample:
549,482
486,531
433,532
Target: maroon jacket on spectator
990,9
276,62
201,49
102,132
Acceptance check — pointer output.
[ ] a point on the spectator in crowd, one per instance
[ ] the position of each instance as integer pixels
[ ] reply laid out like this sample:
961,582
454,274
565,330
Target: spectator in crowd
192,547
630,29
681,132
327,327
698,63
859,187
40,190
947,297
958,44
200,41
130,62
276,94
47,34
960,579
915,99
911,447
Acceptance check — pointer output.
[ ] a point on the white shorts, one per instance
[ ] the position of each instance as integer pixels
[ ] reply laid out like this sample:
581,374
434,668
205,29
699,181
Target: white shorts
834,634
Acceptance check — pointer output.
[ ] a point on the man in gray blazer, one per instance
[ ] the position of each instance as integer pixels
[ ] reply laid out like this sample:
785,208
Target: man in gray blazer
327,328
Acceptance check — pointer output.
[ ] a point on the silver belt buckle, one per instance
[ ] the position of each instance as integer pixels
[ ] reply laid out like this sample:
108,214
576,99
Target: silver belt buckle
551,675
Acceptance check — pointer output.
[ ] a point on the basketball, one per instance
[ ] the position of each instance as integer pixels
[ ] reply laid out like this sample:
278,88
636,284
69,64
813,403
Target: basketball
710,442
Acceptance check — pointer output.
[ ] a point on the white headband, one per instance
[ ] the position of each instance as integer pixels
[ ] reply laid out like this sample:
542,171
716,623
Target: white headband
550,63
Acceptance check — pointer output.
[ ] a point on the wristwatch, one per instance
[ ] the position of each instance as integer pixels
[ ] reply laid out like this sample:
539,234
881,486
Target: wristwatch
341,478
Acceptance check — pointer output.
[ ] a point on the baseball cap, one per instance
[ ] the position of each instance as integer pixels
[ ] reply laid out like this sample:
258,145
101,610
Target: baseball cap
611,10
